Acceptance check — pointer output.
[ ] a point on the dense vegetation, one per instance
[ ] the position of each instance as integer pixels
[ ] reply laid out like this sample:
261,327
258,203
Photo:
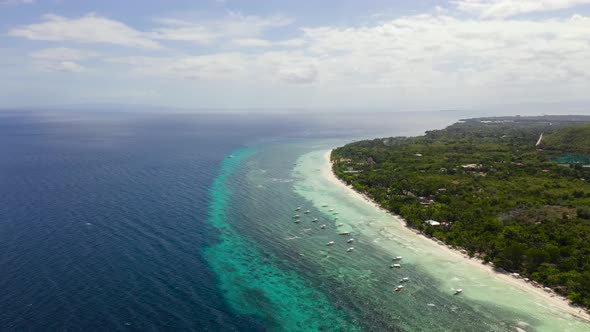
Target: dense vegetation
494,191
574,139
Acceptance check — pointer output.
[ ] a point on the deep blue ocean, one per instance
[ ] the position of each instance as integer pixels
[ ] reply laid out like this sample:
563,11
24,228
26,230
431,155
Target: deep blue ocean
104,215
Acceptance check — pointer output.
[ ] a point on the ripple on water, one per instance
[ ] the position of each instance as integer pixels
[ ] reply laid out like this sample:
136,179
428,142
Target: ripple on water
252,283
488,304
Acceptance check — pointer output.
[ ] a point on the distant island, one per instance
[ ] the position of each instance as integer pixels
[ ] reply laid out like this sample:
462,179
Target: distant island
512,191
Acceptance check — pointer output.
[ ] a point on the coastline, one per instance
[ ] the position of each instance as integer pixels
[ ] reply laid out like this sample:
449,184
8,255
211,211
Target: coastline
551,299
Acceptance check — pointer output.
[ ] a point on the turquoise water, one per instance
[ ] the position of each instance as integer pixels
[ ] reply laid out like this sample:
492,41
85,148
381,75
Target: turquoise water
108,221
249,277
573,159
102,220
127,222
283,273
493,299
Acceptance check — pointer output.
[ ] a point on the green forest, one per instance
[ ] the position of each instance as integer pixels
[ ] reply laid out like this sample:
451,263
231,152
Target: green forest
513,191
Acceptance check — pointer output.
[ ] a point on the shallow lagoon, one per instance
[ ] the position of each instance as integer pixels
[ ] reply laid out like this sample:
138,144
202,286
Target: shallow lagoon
301,283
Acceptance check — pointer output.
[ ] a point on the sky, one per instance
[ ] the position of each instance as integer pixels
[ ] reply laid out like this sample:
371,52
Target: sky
365,54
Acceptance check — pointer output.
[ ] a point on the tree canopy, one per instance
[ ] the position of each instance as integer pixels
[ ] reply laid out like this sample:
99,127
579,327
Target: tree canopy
496,190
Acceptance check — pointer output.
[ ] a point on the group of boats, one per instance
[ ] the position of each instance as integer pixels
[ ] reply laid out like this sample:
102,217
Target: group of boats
297,220
396,259
398,266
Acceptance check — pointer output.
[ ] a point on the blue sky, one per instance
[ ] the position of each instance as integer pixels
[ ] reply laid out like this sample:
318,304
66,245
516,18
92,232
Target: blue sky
405,55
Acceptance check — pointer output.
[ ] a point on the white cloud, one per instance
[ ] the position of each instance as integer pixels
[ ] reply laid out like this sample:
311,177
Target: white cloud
86,29
407,54
131,94
220,66
233,26
16,2
444,57
61,59
196,34
92,28
236,24
67,66
298,74
508,8
61,66
425,50
269,66
295,42
257,42
289,66
61,54
252,42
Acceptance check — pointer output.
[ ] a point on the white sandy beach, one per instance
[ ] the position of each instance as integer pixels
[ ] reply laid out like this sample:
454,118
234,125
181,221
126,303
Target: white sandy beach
548,299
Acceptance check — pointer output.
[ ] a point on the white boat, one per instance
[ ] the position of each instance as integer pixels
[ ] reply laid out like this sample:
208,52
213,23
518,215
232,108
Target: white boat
344,233
458,291
331,243
297,221
323,226
397,258
397,266
404,279
298,208
331,210
350,241
340,225
349,249
398,288
296,216
230,156
307,211
315,219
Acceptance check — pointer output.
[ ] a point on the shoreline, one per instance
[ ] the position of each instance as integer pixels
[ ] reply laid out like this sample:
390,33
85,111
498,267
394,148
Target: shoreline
551,299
